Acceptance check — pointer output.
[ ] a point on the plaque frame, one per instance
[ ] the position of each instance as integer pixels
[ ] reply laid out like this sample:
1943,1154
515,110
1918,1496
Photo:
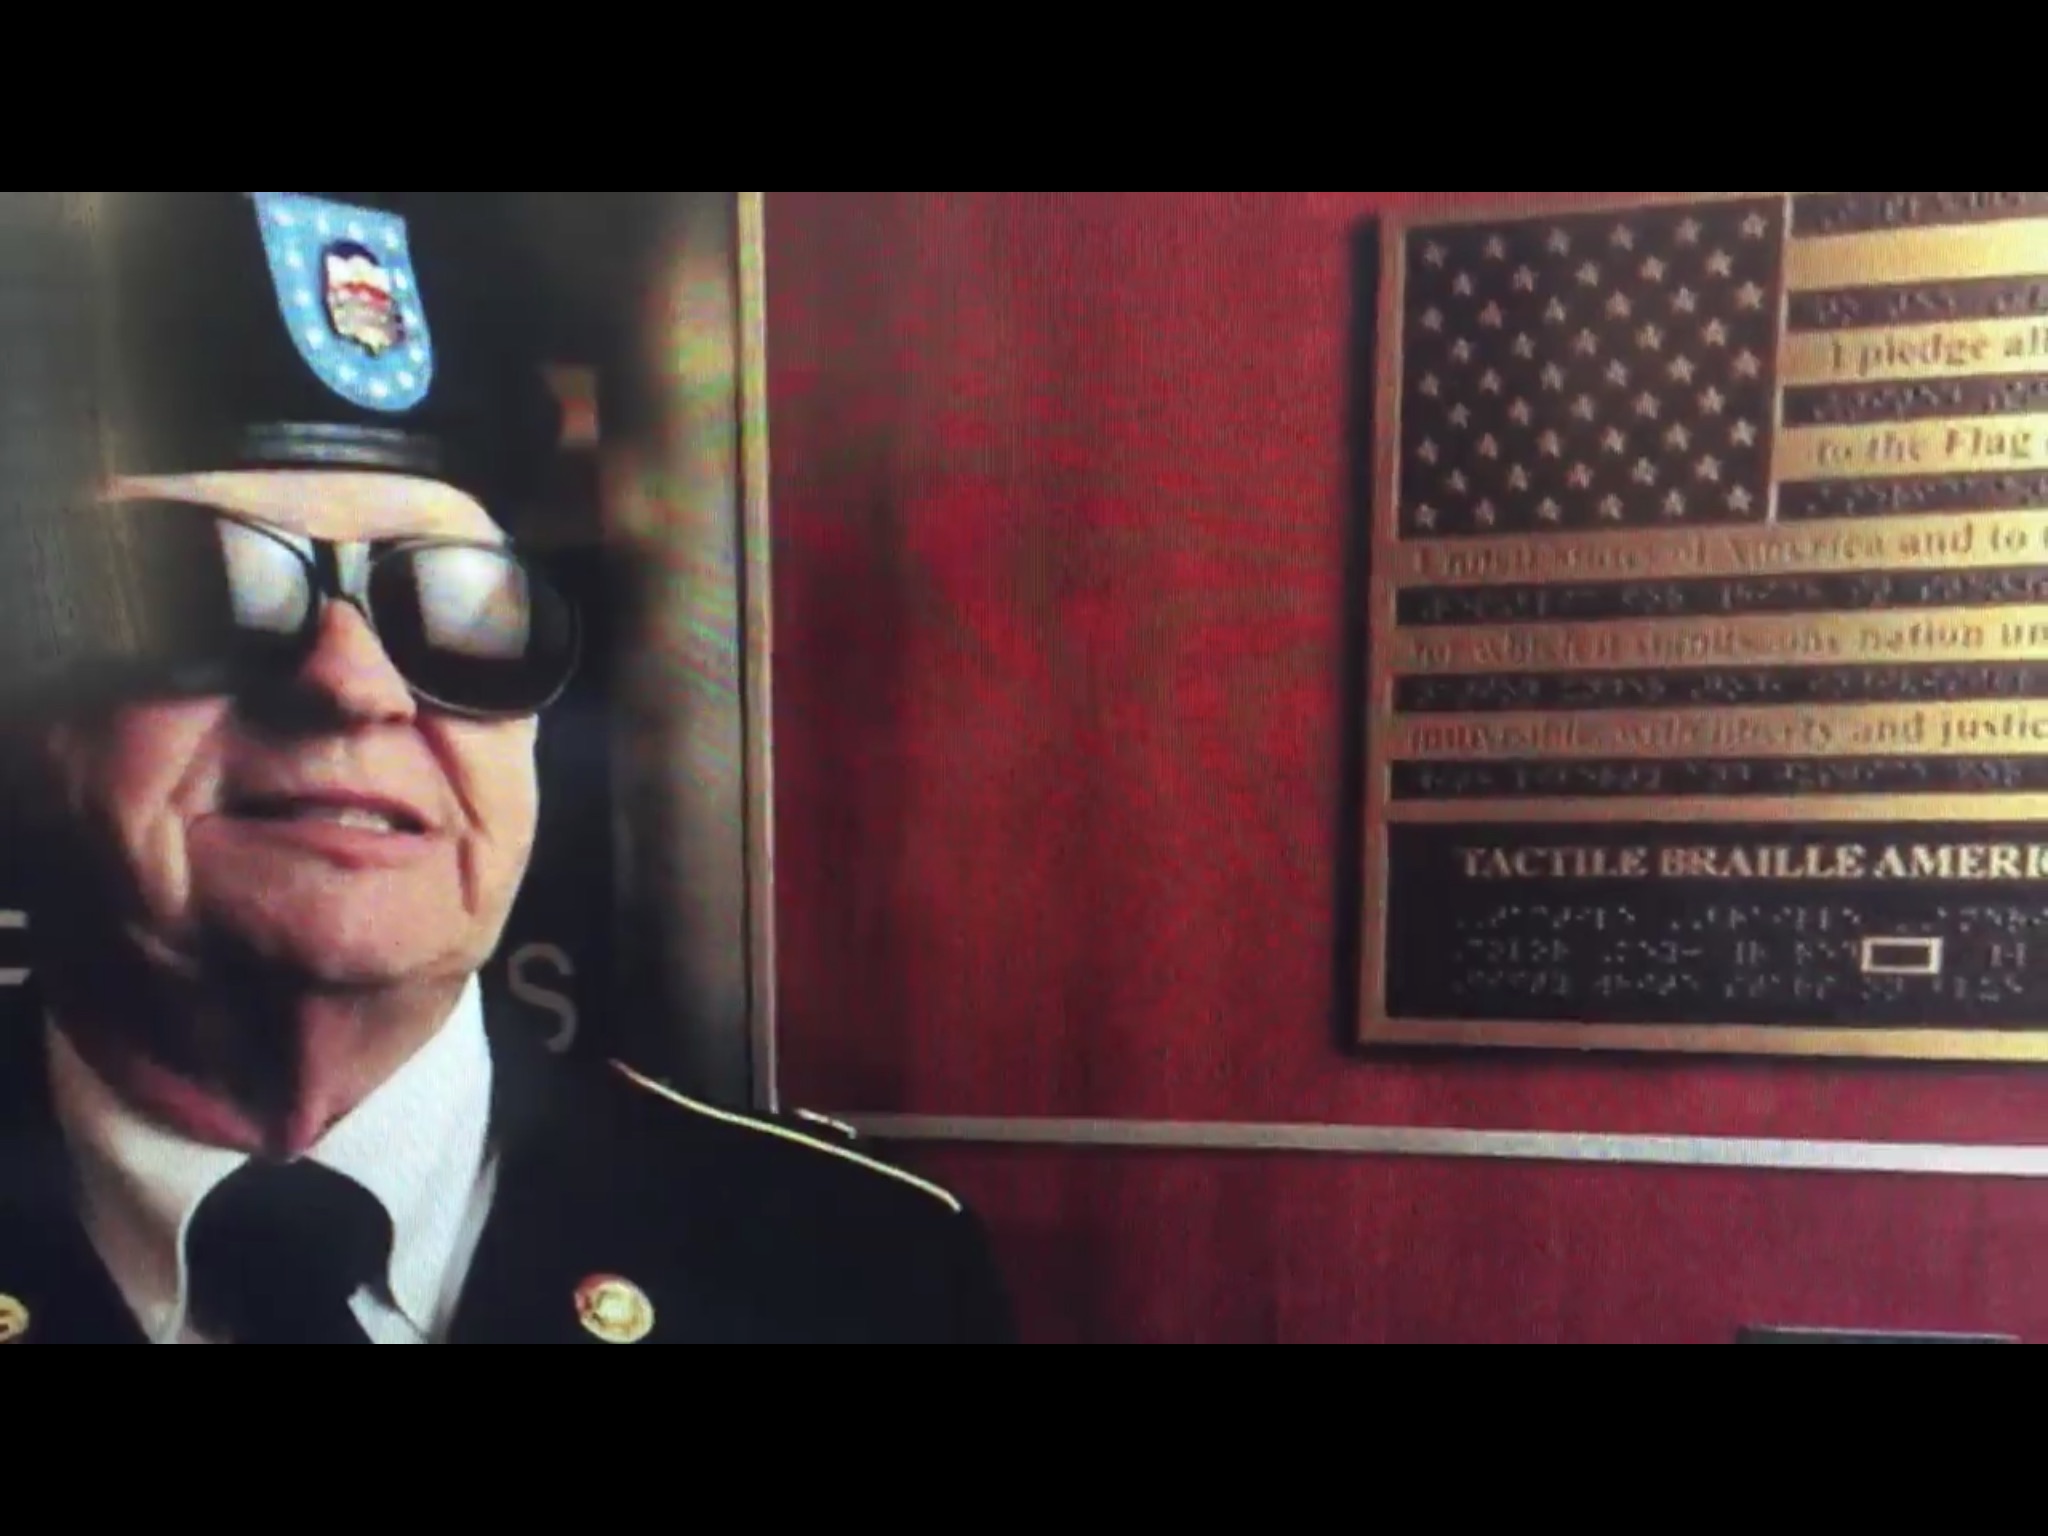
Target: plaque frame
1378,363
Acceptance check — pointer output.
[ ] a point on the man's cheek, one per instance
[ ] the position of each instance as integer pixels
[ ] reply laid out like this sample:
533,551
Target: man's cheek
495,772
156,762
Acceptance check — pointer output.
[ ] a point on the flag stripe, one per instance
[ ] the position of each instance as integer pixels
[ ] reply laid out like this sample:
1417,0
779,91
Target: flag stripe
1911,496
1757,687
2015,729
1924,400
1844,213
1910,304
1904,545
1905,354
1792,778
1865,637
1952,254
1942,446
1598,602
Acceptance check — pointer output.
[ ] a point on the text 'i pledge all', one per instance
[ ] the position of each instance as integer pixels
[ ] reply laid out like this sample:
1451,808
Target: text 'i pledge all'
1939,350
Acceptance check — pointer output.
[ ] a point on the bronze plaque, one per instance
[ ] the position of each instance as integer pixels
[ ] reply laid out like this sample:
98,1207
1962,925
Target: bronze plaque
1709,627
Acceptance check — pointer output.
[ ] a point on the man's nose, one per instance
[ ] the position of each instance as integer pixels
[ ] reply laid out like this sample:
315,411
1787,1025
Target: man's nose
351,673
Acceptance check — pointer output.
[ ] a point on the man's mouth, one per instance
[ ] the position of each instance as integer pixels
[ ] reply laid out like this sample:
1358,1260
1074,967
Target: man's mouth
356,814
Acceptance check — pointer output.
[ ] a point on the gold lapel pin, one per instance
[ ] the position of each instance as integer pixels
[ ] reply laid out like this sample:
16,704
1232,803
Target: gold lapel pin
613,1310
14,1321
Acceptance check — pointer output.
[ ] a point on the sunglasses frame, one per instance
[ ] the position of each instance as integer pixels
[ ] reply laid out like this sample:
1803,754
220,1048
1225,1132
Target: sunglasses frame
323,567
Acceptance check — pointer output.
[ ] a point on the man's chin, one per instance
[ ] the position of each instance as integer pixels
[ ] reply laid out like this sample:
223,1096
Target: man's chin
345,944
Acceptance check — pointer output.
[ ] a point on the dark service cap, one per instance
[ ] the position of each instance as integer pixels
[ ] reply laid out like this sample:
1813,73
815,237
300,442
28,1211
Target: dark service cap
329,330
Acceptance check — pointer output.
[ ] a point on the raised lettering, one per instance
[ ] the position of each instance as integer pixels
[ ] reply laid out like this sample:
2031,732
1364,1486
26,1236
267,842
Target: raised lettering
559,1005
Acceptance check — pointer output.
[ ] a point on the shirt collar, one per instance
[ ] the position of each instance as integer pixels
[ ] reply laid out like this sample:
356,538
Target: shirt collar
418,1144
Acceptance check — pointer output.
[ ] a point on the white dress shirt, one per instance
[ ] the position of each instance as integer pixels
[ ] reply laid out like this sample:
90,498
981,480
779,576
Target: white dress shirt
420,1144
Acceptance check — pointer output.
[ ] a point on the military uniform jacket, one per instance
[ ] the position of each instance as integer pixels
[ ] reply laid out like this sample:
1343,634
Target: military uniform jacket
724,1229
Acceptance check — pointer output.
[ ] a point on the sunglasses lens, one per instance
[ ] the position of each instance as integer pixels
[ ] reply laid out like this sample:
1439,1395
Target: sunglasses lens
474,629
190,600
270,591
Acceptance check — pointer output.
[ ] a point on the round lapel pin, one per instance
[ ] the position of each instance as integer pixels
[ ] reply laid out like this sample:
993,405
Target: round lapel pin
14,1321
614,1311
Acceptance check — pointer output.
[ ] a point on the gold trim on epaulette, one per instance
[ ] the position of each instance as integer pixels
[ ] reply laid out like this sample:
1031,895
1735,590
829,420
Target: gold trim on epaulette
795,1138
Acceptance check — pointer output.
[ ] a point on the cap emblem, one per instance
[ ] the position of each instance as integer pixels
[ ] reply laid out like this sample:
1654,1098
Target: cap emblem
349,297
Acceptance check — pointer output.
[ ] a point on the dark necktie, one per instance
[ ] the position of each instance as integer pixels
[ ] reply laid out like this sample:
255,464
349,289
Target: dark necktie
275,1253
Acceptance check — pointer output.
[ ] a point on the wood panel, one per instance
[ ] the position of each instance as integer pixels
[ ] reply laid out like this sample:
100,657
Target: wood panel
1061,538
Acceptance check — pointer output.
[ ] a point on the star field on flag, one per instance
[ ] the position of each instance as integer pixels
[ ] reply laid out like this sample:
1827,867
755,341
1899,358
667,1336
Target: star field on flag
1591,372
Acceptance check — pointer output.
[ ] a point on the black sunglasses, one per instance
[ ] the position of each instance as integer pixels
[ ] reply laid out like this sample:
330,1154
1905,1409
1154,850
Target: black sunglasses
216,603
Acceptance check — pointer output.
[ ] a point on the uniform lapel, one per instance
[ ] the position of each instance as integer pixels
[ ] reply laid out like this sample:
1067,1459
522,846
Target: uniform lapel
568,1212
51,1281
520,1288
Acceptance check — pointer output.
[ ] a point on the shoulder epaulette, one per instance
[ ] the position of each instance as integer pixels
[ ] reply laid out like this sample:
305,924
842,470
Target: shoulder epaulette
811,1139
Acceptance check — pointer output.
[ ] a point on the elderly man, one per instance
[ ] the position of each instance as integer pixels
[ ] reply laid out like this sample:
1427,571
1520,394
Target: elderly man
284,796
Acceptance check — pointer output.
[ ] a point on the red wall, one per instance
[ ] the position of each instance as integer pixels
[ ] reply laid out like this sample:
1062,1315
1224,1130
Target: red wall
1060,508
